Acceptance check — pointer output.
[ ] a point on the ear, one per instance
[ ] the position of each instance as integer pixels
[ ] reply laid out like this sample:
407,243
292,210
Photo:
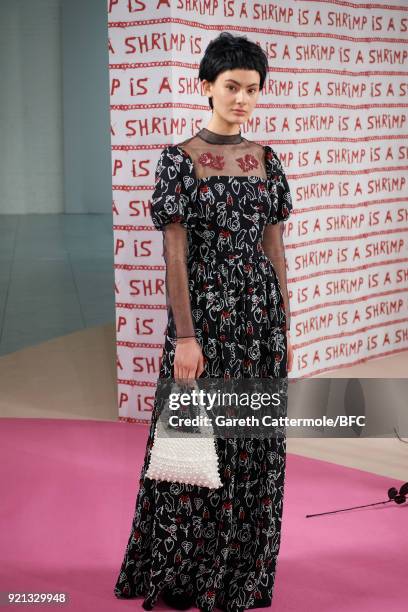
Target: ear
206,87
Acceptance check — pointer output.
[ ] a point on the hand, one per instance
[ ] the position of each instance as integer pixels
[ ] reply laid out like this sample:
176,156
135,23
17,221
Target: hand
290,353
188,359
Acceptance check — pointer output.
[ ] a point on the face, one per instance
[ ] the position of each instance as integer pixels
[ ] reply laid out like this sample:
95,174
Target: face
234,90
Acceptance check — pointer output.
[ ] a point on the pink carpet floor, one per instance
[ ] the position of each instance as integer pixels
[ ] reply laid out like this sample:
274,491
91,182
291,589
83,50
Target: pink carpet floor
68,494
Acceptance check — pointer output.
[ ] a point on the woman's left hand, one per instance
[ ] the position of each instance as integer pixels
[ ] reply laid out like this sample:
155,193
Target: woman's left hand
290,353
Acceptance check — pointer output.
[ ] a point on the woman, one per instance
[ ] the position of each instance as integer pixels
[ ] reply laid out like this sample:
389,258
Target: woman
219,200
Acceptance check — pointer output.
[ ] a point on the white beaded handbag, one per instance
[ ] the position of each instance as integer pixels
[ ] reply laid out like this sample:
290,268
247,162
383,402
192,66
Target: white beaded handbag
188,459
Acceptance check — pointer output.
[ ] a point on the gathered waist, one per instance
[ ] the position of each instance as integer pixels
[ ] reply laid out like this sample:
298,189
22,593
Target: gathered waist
227,257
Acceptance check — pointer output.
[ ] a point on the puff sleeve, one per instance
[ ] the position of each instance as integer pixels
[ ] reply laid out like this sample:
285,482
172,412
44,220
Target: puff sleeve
273,234
278,187
175,189
172,212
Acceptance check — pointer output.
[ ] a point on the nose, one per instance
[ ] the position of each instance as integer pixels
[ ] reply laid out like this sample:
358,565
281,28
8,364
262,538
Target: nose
241,97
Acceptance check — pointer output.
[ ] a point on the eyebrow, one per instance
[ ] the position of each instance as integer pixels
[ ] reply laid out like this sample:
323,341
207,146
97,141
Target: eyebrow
232,81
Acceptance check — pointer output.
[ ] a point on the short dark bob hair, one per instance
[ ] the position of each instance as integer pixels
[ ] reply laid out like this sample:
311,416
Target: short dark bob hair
228,52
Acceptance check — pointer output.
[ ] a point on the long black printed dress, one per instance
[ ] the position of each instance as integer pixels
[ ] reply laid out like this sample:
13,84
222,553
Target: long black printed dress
227,195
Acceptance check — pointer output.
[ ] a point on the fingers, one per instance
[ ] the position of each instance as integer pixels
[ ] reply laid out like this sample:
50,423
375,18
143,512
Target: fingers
200,366
188,361
290,358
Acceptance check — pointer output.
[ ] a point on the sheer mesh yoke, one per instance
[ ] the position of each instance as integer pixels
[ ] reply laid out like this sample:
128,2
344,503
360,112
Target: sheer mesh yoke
237,159
181,184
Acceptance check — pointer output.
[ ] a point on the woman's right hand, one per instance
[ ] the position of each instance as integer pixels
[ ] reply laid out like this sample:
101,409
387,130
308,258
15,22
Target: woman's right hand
188,359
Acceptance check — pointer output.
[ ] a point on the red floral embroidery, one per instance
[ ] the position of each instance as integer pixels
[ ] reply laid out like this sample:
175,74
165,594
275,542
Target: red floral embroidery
247,163
213,161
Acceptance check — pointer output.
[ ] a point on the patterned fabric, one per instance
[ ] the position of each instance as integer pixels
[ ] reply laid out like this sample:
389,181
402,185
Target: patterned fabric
180,197
219,545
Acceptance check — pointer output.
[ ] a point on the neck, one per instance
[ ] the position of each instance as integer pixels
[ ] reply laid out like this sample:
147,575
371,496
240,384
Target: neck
221,127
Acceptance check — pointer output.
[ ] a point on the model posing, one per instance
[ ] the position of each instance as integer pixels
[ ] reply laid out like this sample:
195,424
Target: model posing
220,201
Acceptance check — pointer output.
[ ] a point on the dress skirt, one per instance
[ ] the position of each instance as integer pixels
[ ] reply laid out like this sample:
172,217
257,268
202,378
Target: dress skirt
221,545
